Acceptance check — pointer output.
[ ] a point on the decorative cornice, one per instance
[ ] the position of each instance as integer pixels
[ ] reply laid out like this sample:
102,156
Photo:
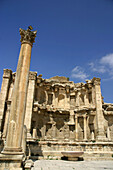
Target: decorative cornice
27,36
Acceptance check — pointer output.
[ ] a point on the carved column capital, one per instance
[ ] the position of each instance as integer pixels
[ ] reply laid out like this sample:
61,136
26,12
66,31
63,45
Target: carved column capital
27,36
32,75
7,73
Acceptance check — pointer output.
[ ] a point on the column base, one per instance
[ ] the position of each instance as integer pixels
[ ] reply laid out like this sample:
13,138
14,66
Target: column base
12,150
11,161
101,136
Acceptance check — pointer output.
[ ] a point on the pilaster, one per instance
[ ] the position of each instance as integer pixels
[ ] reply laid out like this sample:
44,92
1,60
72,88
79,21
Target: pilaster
6,119
3,94
29,103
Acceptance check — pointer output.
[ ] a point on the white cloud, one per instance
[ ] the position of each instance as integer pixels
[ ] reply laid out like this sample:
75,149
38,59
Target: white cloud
97,68
107,60
103,65
79,73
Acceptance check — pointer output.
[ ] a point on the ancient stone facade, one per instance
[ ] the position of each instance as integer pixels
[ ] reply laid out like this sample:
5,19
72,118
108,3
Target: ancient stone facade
61,115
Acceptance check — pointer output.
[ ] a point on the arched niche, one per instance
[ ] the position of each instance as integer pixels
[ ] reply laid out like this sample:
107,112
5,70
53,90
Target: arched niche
42,97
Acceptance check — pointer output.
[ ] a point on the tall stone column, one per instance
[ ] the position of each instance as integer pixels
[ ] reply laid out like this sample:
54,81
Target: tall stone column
99,113
29,103
3,94
17,112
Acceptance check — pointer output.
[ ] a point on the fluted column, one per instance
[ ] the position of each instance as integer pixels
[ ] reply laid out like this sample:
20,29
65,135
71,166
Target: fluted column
3,94
17,112
29,103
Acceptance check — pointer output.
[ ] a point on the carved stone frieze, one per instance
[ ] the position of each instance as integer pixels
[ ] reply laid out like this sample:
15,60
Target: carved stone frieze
28,36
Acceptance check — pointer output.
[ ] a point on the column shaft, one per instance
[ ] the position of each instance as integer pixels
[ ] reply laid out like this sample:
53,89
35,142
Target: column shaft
76,127
85,127
17,113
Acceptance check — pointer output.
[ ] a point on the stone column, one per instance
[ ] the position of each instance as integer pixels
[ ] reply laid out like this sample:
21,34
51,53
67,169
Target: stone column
29,103
99,113
78,99
76,127
13,152
56,96
17,112
71,119
3,94
85,128
108,133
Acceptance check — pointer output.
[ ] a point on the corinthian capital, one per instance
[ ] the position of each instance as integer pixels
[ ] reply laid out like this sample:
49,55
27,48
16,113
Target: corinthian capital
28,36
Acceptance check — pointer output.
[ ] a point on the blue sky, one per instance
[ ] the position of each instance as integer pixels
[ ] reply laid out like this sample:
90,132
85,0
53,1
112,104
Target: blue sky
75,38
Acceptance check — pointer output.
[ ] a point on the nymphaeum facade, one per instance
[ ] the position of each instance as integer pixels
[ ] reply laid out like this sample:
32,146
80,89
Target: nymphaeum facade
60,113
